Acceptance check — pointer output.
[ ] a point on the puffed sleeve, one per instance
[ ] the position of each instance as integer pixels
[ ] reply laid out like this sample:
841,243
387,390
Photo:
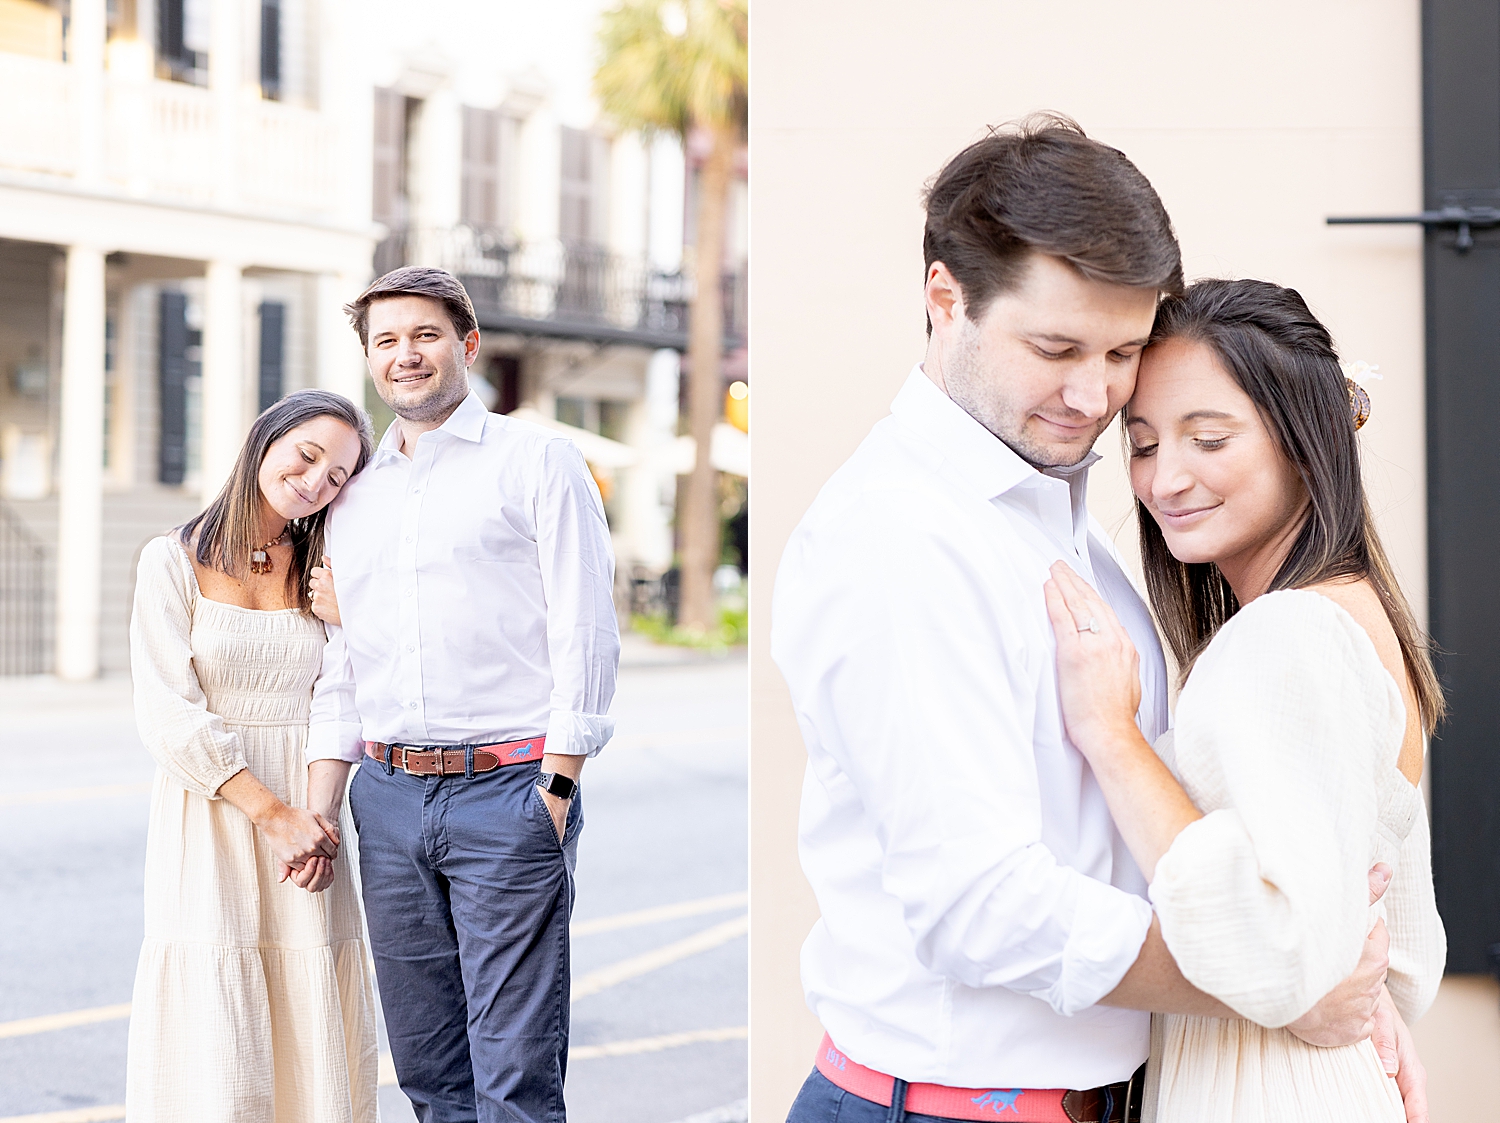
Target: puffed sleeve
171,711
1285,726
1419,946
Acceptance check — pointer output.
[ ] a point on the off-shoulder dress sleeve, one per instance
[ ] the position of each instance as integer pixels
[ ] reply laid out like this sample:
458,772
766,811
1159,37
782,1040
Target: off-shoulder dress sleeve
171,712
1287,726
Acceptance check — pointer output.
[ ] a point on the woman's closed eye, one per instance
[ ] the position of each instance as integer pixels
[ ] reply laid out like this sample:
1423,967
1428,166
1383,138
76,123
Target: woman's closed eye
1137,451
1210,444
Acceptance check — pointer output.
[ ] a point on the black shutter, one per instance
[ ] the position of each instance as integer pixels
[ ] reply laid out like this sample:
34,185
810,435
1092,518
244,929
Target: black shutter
1461,79
505,373
169,31
172,351
272,352
270,48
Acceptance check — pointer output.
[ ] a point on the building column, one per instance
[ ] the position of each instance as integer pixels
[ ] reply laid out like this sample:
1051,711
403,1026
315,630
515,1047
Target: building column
223,427
341,365
225,80
87,22
80,491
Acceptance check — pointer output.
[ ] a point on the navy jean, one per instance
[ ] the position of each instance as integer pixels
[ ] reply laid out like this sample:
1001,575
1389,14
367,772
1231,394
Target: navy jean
823,1101
468,892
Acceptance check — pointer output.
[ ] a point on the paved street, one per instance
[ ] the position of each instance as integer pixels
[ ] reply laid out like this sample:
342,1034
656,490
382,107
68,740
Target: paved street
659,952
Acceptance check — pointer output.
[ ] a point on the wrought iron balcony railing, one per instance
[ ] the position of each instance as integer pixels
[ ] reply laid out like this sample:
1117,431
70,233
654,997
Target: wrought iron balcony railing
562,290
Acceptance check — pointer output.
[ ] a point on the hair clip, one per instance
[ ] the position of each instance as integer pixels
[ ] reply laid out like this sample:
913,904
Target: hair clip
1359,402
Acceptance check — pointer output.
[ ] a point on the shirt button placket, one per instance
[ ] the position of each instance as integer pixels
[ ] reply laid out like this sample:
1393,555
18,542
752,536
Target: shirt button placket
408,614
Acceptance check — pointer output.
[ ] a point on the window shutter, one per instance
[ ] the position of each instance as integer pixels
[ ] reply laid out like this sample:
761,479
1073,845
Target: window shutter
172,350
272,352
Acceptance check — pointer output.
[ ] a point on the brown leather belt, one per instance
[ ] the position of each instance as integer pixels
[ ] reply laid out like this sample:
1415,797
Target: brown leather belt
462,760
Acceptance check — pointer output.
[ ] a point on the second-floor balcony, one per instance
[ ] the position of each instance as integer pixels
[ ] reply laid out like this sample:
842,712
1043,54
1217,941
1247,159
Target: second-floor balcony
166,141
558,290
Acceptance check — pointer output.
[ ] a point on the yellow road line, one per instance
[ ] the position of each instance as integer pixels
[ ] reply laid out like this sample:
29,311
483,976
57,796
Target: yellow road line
69,795
63,1021
604,977
76,1115
660,913
609,1049
656,1044
591,983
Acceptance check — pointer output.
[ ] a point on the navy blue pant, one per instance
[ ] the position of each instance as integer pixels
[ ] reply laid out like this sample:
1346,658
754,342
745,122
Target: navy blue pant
823,1101
468,892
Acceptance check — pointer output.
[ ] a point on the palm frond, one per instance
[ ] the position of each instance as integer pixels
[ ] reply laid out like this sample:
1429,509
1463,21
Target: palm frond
652,79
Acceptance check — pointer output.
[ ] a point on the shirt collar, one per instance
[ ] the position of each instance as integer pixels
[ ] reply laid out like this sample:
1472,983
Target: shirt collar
466,423
977,455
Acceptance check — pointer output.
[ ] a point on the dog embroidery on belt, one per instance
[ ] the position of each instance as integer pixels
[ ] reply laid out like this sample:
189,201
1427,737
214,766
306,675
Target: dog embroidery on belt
1000,1099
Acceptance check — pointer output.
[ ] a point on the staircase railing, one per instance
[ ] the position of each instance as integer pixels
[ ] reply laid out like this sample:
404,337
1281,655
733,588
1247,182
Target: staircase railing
25,599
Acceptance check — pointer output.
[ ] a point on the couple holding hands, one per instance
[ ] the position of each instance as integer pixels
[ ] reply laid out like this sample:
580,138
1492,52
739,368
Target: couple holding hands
469,666
1039,902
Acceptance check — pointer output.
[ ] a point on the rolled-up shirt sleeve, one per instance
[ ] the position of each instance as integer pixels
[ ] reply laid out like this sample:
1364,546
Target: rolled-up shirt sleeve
334,729
923,696
577,569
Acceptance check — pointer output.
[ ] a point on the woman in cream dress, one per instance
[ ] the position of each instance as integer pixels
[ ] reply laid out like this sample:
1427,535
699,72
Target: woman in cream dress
1299,731
253,1001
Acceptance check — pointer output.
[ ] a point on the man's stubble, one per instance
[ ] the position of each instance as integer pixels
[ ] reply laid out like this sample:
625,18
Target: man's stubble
982,394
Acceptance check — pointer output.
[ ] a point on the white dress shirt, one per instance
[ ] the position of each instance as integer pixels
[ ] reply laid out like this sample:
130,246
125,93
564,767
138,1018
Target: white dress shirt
475,584
976,898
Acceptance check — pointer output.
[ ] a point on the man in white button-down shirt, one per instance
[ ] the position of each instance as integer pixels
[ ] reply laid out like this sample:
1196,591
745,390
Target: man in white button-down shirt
985,943
472,674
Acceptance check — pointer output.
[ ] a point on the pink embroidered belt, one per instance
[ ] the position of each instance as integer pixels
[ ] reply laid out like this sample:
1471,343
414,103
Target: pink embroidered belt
1017,1105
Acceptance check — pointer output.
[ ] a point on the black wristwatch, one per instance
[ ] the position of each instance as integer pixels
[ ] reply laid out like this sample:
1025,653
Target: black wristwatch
555,783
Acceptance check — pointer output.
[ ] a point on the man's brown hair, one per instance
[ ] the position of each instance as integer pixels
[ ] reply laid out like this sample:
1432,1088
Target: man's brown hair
1041,185
414,280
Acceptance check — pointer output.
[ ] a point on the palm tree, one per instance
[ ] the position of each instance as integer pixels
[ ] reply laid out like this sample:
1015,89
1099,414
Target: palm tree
680,66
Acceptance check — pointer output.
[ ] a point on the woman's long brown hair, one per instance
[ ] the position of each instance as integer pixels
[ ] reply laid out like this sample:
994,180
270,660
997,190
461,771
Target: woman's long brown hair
1284,360
229,528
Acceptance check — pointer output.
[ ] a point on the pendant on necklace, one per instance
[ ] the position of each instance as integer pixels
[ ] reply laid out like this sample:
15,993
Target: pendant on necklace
260,558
